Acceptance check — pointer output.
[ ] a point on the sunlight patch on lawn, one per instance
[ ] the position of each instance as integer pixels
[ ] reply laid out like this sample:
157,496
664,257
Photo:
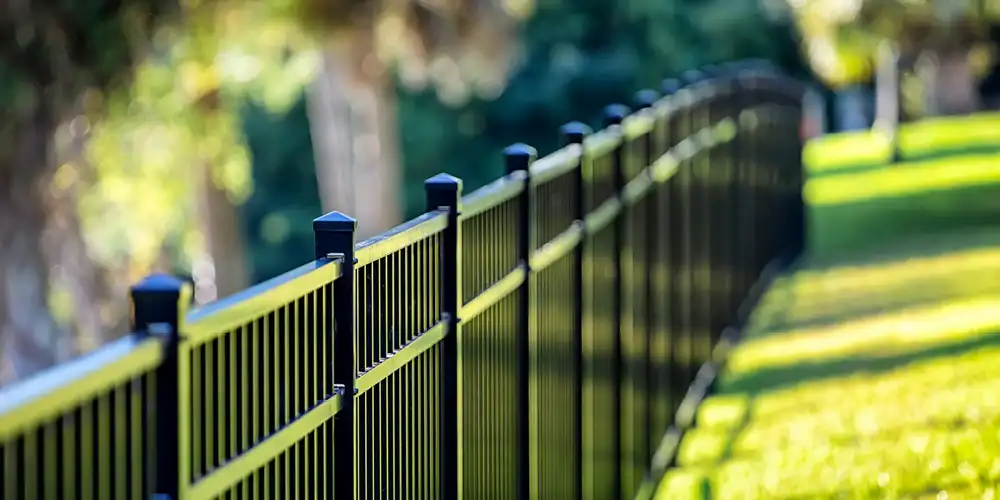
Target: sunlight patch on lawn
851,278
926,427
845,150
904,179
903,330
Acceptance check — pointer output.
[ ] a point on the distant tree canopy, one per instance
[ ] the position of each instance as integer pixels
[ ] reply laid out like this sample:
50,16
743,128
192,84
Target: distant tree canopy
840,37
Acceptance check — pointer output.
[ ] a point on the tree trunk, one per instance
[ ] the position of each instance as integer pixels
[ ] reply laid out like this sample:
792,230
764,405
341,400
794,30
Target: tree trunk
30,338
227,271
887,105
852,109
928,68
952,89
352,117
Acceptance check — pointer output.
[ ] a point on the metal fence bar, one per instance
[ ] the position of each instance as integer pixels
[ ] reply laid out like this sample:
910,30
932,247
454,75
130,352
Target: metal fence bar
531,340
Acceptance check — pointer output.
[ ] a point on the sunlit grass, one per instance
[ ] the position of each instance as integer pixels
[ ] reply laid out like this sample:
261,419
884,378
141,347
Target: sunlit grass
862,206
905,179
899,331
872,371
896,419
928,137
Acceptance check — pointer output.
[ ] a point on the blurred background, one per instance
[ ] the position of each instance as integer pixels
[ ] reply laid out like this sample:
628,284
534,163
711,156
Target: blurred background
201,137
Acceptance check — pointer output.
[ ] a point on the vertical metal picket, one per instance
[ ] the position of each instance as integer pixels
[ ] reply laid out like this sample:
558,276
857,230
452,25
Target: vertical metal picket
334,235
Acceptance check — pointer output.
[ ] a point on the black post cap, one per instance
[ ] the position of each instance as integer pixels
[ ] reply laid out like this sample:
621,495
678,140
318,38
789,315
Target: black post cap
574,132
693,76
159,299
646,98
443,190
670,86
614,114
335,222
519,156
333,233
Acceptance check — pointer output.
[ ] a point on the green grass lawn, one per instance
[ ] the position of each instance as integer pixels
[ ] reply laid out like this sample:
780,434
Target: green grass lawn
873,369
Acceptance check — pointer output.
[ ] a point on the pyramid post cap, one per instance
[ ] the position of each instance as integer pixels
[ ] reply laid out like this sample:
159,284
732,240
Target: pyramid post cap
519,149
614,114
159,283
335,221
670,86
574,132
693,76
519,157
646,98
443,182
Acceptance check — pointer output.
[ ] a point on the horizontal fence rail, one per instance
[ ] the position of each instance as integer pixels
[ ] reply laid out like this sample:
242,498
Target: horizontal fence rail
534,339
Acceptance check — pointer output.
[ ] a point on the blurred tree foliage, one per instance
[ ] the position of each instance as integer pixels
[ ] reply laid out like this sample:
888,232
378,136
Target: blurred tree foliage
577,56
279,214
840,37
153,91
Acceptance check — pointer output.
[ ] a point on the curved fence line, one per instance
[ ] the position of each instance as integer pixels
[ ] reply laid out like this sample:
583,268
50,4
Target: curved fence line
534,339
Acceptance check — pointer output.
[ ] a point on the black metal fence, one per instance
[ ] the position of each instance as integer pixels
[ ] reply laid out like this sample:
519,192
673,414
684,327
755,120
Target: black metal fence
533,339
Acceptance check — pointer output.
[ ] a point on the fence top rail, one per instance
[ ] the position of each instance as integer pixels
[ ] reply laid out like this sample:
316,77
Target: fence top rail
493,194
602,142
218,318
401,236
554,165
640,123
53,392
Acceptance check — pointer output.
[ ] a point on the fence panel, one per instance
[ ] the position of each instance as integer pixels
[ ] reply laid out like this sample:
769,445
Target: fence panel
400,326
491,399
555,358
600,342
258,370
93,439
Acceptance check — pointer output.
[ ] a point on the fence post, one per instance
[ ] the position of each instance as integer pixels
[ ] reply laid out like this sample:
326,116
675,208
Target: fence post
518,158
743,189
159,305
614,115
798,209
668,254
699,221
645,100
444,192
333,235
573,134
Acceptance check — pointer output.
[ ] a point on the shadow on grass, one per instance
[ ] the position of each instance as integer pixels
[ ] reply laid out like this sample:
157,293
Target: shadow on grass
808,313
781,377
848,231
